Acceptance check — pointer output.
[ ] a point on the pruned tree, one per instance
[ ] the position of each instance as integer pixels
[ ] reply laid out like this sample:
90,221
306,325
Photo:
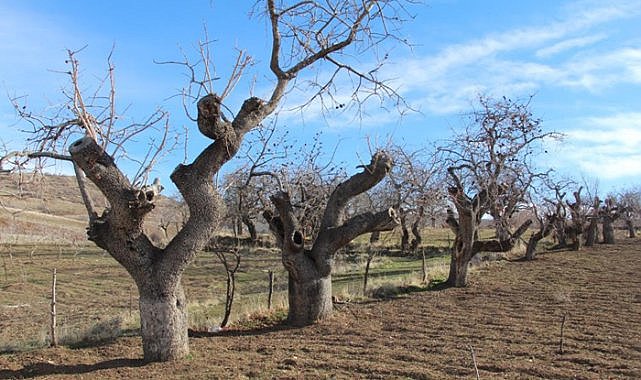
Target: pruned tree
609,213
492,166
577,220
545,211
592,226
545,227
465,224
310,265
89,128
630,201
416,181
243,188
499,149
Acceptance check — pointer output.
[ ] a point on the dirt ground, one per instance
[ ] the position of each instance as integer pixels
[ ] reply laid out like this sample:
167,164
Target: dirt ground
509,318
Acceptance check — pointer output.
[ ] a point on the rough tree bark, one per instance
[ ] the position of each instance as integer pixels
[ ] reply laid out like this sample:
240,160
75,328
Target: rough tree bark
310,270
575,229
416,230
609,214
629,225
592,230
546,226
405,234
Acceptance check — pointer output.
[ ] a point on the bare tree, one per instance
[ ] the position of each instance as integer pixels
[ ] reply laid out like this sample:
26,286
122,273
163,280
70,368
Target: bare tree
499,150
630,201
465,224
310,268
302,34
546,213
416,183
609,213
492,166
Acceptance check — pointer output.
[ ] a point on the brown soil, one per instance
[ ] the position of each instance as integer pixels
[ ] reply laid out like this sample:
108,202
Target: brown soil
510,318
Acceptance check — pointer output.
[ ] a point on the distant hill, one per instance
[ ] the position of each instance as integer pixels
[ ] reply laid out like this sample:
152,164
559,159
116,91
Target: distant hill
37,208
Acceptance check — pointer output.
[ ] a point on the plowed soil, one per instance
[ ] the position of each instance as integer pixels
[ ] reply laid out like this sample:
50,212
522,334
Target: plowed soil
508,321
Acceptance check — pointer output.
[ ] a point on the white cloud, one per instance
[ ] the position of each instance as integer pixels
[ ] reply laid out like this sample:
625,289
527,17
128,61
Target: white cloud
608,147
447,81
568,44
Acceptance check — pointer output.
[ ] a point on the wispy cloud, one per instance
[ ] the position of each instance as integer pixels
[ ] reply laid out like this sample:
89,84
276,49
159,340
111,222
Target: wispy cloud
447,81
571,43
608,147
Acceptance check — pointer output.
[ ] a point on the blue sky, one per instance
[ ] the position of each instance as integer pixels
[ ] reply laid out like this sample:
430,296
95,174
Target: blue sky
581,60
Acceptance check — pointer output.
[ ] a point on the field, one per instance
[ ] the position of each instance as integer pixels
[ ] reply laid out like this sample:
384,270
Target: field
509,320
97,299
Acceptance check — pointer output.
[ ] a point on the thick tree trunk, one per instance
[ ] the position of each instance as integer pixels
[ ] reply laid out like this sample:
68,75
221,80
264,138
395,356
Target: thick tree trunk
163,322
574,234
591,234
251,228
310,299
500,230
630,226
608,231
463,250
530,251
560,234
459,264
405,235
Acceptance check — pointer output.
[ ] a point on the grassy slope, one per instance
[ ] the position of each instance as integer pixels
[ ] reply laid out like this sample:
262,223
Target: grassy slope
36,209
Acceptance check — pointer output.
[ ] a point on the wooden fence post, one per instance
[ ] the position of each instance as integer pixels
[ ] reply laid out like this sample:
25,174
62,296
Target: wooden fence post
271,290
54,337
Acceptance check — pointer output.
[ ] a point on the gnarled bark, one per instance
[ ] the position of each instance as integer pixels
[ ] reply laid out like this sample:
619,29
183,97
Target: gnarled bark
546,226
310,270
592,229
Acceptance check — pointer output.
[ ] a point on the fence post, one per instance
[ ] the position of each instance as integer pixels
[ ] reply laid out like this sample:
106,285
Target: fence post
271,290
54,338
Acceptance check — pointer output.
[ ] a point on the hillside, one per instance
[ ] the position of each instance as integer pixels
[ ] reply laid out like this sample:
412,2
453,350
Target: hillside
36,208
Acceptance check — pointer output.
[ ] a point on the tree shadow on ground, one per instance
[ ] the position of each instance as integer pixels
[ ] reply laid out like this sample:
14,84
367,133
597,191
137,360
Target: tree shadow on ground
48,369
242,331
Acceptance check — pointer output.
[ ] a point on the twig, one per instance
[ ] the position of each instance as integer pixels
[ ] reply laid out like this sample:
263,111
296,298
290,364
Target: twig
476,368
561,339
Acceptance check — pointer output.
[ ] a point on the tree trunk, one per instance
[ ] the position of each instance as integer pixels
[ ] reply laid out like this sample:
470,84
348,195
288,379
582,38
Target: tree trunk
458,266
574,234
424,266
163,322
608,230
416,242
405,235
251,228
463,250
530,251
310,270
591,234
375,236
370,256
501,230
310,299
238,231
630,226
